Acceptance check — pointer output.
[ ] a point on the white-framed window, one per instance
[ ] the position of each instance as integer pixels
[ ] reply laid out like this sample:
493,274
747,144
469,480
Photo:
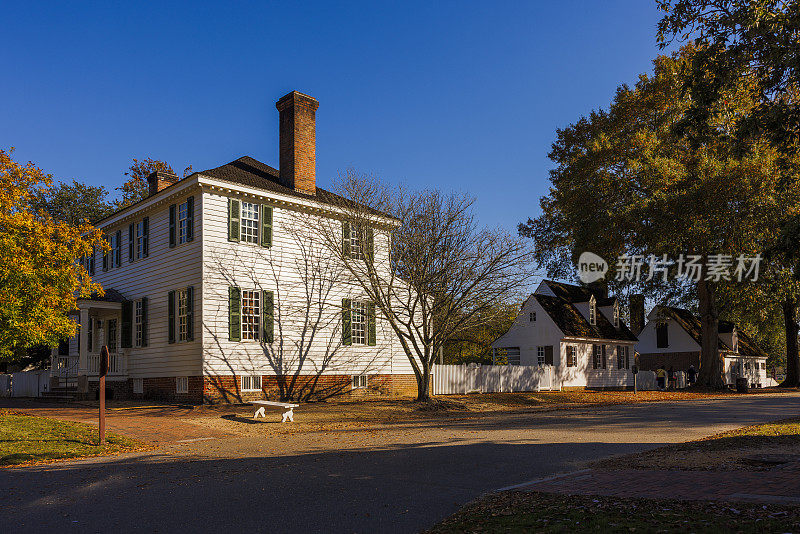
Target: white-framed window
137,385
540,355
140,237
251,383
592,311
356,250
358,322
623,357
114,260
111,342
359,381
599,353
138,323
572,356
183,222
181,384
249,222
182,298
251,314
532,317
616,314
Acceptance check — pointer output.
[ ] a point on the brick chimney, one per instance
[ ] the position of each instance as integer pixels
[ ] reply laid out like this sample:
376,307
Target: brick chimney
158,180
298,148
637,313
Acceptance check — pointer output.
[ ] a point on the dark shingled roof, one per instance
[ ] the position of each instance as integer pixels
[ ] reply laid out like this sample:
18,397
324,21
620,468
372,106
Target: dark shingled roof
252,173
694,327
109,295
571,322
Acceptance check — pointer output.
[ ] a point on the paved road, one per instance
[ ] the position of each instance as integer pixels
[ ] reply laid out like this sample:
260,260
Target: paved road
390,480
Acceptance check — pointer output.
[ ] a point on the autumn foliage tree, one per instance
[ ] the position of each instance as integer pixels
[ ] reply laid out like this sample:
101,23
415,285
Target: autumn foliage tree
136,187
41,275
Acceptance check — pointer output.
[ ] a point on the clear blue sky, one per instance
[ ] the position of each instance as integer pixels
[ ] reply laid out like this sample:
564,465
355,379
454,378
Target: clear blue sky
457,95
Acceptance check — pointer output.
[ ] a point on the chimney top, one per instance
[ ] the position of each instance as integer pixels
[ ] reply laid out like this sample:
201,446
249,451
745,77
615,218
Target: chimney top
298,152
159,180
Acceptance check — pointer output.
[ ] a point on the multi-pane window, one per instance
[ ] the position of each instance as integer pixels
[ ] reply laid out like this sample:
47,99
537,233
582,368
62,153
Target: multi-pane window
249,233
111,342
359,381
116,253
251,383
572,356
356,249
140,237
599,360
251,314
592,312
138,322
182,297
540,355
183,222
623,357
358,322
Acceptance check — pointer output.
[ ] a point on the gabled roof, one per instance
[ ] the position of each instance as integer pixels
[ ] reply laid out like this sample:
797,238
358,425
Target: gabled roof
109,295
252,173
694,327
561,308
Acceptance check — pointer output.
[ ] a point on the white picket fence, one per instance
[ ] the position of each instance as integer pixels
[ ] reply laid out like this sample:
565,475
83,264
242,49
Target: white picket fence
29,383
469,378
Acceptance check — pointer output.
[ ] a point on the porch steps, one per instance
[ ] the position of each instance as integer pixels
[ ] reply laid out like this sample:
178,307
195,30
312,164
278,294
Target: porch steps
62,393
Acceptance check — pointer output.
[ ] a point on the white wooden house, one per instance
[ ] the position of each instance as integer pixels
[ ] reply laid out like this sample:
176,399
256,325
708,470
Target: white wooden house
576,329
217,289
672,337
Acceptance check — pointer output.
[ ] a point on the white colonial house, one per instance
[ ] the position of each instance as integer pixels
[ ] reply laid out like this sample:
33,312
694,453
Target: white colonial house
672,337
217,288
577,330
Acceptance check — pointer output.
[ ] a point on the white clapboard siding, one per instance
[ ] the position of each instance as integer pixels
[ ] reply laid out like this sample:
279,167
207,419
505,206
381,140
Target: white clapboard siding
463,379
164,270
292,268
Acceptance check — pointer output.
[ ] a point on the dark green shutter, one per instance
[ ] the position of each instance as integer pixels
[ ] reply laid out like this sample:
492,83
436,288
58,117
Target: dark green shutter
106,252
189,218
118,252
369,244
144,321
371,323
131,242
603,352
127,324
346,239
347,334
233,220
234,314
190,313
268,315
172,226
171,317
145,237
266,226
91,261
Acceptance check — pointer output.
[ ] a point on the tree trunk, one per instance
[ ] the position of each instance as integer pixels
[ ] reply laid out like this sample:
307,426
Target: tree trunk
789,306
423,384
711,369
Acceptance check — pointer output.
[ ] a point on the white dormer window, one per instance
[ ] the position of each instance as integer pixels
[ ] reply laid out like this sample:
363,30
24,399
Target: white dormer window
592,311
616,315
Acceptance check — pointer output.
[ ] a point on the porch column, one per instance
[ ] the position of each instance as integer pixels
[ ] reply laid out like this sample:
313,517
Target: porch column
83,352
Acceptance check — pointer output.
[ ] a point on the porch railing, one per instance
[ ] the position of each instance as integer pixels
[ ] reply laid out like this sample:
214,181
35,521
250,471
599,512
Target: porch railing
117,364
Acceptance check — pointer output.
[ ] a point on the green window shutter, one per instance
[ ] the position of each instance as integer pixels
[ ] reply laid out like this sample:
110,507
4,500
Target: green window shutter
105,255
118,252
172,225
346,239
190,219
369,247
145,237
131,241
233,220
144,321
190,313
268,315
371,324
91,261
347,335
234,314
127,325
266,226
171,317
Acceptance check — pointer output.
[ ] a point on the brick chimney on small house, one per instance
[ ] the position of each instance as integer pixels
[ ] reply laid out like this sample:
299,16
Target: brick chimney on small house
158,180
298,135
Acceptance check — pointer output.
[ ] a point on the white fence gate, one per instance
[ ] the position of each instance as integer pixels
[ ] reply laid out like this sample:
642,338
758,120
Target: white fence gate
462,379
29,383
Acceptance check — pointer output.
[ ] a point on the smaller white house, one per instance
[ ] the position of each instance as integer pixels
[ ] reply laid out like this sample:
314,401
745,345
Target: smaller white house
672,338
578,330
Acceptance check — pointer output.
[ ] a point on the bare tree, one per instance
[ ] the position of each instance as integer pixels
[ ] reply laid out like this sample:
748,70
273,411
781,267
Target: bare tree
421,258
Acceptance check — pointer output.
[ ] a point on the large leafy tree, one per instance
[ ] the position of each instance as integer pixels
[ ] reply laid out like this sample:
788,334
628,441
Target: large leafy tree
136,187
73,203
40,272
640,179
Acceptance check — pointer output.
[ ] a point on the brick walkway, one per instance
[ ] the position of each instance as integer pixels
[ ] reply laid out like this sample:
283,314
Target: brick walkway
781,485
160,424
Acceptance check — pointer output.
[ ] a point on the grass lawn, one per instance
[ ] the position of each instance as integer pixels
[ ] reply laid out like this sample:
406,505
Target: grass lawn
26,439
511,512
738,449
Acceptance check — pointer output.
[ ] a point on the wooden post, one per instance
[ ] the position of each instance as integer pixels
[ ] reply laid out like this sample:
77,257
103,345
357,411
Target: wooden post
102,392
